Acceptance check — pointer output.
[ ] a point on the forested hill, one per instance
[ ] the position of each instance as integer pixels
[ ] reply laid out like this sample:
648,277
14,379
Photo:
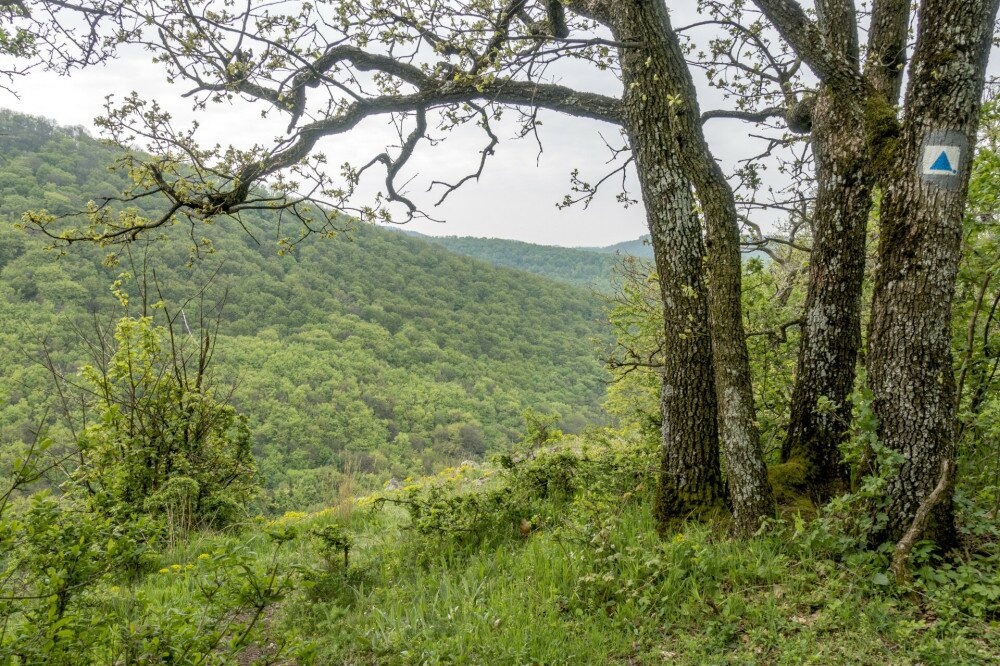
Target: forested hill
639,247
590,267
383,351
574,266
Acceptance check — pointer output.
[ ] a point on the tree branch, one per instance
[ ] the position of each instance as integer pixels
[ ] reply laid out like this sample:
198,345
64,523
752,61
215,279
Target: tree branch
808,41
886,57
749,116
919,524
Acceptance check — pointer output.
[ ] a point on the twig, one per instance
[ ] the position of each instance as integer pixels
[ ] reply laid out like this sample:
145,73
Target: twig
905,545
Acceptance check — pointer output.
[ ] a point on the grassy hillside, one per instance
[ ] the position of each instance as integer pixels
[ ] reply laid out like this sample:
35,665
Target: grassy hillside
389,354
374,350
555,560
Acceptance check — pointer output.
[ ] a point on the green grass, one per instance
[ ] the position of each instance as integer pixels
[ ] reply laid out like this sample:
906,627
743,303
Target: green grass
601,587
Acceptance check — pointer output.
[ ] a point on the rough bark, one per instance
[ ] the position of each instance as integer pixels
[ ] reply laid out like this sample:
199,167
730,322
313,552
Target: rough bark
846,164
831,65
831,330
886,58
690,481
672,97
910,360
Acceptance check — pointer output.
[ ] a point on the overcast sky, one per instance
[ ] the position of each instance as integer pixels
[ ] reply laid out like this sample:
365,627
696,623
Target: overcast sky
515,198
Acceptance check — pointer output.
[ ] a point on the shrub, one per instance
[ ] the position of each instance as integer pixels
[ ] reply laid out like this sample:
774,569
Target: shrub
161,442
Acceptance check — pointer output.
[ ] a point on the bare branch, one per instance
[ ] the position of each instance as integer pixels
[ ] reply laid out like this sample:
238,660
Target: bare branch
828,63
749,116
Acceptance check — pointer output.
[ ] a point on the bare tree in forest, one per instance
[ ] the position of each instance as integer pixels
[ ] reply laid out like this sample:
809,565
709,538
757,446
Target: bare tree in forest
436,64
921,163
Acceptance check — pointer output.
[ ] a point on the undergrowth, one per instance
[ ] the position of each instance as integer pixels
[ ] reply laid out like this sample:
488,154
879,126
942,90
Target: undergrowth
551,556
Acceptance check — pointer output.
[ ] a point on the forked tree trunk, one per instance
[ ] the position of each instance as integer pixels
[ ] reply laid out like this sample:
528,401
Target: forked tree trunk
910,360
848,135
690,482
659,84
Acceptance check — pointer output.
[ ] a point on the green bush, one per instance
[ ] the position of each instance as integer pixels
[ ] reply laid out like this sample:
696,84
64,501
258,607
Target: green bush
161,443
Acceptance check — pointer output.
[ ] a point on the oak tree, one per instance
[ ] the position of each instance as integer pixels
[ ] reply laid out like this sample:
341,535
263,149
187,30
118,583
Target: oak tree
909,355
440,65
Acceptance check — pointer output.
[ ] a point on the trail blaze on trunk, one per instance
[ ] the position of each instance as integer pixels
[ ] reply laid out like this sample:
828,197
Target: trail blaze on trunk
910,360
851,131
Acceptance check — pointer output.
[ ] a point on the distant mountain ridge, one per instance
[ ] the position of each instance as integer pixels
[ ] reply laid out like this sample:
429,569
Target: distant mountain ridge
578,267
581,266
639,247
589,267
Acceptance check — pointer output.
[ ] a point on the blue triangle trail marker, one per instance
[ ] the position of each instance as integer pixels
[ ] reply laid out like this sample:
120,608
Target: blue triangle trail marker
940,158
942,163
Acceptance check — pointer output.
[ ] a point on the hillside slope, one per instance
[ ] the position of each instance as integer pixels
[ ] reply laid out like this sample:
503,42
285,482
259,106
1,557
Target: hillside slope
575,266
374,350
590,267
639,247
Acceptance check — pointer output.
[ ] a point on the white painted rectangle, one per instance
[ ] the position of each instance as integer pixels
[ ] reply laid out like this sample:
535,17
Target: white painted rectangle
939,160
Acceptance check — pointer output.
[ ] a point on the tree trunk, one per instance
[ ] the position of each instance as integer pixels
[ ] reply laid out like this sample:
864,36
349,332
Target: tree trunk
831,330
845,171
670,96
690,481
910,361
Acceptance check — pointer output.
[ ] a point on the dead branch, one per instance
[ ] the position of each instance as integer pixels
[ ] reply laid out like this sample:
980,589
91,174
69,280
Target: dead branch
905,545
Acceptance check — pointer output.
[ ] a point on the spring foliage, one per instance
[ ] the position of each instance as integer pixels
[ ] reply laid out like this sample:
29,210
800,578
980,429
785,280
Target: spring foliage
546,552
373,350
